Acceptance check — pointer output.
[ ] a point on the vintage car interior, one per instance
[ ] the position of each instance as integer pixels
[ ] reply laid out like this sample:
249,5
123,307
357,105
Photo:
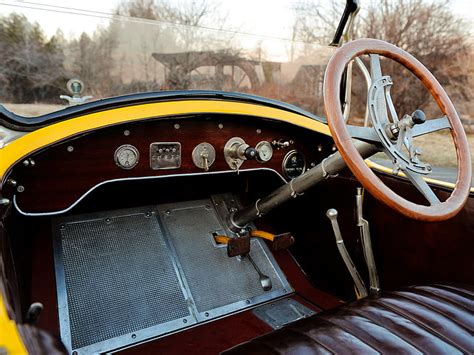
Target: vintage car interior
205,222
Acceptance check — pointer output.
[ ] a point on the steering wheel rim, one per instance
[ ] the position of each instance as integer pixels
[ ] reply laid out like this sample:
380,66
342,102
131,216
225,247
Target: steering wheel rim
343,140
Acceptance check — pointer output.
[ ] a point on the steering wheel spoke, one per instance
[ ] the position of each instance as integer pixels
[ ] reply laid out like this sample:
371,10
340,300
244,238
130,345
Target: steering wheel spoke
366,134
430,126
422,186
375,67
377,91
391,106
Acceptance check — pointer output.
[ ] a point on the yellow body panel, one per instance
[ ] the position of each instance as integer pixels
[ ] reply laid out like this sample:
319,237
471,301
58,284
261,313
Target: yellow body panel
10,339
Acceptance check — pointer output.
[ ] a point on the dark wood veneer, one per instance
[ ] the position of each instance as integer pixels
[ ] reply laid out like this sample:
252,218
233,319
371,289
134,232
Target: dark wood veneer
60,177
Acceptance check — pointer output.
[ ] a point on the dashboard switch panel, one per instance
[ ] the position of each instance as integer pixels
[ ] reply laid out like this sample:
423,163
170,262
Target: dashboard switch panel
165,155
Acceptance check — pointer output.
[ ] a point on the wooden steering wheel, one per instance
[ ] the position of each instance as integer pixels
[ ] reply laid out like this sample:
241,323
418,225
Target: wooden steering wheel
394,136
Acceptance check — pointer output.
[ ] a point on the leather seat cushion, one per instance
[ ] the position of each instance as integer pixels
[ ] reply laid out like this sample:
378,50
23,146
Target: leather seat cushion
434,319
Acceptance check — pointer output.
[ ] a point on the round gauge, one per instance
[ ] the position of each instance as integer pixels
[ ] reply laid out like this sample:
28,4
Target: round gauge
264,151
294,164
126,156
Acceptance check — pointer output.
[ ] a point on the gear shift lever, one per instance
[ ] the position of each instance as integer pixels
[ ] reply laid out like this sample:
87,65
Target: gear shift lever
265,281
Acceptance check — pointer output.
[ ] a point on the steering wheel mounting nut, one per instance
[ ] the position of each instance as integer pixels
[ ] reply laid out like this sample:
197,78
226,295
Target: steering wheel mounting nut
392,131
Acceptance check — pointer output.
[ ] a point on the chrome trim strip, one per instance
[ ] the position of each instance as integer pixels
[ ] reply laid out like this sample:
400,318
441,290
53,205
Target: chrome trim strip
55,213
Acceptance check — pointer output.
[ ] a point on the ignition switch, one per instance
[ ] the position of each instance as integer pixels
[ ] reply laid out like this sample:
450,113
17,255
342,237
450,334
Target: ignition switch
236,151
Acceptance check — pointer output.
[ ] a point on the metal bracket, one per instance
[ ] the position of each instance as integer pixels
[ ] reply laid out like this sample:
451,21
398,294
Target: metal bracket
363,224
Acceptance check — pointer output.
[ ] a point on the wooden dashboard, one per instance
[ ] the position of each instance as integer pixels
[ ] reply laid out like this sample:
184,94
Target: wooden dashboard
53,179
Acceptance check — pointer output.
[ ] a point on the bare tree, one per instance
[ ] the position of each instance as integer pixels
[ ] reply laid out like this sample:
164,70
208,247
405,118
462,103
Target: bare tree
433,34
315,20
167,27
144,9
92,60
32,65
193,22
425,28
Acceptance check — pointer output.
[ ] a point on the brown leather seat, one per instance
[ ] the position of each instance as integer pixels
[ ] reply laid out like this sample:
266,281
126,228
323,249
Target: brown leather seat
435,319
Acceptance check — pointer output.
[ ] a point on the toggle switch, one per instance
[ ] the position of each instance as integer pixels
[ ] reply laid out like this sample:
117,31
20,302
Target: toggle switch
204,156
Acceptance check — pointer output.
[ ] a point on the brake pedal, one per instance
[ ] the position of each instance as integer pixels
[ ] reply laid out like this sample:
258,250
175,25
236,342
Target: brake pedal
279,241
282,241
239,246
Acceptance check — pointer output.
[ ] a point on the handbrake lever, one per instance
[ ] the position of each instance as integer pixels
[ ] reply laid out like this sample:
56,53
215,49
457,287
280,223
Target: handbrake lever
363,224
359,284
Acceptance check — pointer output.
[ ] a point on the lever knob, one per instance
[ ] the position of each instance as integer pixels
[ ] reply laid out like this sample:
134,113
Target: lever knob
418,117
205,161
331,213
250,153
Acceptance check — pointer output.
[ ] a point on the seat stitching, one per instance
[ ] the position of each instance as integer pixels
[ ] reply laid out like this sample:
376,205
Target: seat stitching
377,324
392,330
349,332
312,339
452,289
402,295
445,299
420,324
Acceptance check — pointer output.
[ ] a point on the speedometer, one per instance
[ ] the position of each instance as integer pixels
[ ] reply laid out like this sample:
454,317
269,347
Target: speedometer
294,164
126,156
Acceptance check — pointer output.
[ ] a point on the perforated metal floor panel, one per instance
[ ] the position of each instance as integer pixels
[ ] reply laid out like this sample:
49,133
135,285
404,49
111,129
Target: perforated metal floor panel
130,275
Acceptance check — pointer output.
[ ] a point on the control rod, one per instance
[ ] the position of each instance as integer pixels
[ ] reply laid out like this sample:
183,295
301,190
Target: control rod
331,165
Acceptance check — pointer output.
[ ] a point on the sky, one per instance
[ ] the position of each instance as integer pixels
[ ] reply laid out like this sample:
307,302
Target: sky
88,14
275,23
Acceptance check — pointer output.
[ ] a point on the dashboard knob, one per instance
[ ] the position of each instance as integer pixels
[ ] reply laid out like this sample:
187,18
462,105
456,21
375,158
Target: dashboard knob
250,153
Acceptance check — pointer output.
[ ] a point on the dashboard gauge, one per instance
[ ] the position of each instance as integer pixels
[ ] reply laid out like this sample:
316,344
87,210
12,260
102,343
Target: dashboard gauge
294,164
264,151
126,156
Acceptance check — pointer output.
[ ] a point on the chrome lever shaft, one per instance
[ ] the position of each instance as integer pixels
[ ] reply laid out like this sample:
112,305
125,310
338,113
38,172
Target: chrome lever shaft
363,224
359,284
265,281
